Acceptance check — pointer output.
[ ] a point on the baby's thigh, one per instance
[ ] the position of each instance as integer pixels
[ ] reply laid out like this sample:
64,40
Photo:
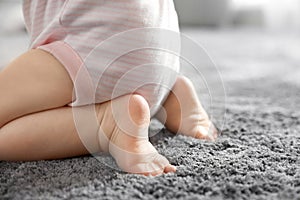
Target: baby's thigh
33,82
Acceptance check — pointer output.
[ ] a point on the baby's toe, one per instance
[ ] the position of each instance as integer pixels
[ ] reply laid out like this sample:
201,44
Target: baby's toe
210,134
164,164
152,166
170,169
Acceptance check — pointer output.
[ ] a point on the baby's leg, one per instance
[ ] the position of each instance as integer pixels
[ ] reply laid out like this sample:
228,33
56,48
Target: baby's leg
52,134
33,82
49,134
184,113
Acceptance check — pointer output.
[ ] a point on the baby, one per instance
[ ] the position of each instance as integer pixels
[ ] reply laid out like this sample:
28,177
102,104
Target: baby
41,87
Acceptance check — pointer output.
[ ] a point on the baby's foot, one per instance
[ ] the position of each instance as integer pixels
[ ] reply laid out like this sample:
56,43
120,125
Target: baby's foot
125,122
184,113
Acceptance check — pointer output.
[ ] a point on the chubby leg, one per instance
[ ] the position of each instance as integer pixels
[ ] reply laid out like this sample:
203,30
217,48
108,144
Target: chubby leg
36,125
33,82
122,128
184,114
49,134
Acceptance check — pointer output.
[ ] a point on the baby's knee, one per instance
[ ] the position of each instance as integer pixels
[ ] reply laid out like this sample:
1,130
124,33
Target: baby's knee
139,109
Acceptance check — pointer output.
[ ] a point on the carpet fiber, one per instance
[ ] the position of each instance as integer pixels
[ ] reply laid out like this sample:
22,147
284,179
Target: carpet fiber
256,157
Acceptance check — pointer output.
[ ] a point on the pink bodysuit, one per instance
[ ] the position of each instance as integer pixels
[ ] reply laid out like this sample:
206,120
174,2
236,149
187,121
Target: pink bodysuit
71,30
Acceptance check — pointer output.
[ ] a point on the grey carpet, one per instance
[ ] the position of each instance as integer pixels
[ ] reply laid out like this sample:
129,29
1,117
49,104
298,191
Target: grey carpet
257,156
